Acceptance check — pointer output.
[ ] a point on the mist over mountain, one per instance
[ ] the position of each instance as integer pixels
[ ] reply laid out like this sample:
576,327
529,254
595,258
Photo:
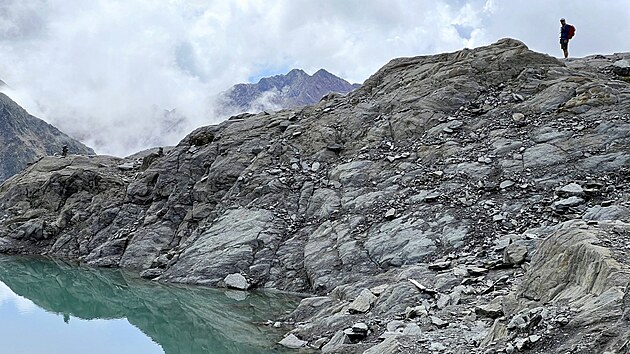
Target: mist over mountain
295,89
24,139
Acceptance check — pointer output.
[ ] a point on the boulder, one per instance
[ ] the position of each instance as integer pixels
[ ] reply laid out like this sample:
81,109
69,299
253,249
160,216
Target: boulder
236,281
622,67
293,342
363,302
515,253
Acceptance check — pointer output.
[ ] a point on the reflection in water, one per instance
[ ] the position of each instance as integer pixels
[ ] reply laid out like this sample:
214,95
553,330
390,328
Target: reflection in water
23,305
180,319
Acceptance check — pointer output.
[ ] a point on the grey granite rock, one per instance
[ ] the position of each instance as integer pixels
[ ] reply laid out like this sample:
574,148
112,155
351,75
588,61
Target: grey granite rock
622,67
515,253
236,281
338,340
363,302
292,342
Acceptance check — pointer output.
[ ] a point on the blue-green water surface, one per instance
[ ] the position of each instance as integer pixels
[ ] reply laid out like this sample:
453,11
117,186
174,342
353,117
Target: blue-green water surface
54,307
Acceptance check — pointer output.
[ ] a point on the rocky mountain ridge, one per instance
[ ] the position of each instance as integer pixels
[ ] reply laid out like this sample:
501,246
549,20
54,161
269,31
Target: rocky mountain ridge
295,89
467,202
24,139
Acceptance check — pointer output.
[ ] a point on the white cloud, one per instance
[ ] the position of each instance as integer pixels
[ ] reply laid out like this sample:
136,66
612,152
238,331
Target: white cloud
23,305
108,70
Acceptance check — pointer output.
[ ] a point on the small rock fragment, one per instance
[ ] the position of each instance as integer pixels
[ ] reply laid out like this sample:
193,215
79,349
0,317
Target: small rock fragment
423,288
338,339
570,190
438,322
378,290
390,214
506,184
363,302
293,342
417,311
491,310
515,254
568,202
437,347
412,329
360,327
440,265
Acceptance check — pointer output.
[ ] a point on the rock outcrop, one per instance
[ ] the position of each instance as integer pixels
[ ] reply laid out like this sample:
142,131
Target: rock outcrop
414,207
24,139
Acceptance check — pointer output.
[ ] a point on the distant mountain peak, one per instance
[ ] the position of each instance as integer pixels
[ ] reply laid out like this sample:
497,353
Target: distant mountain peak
323,72
24,139
296,72
294,89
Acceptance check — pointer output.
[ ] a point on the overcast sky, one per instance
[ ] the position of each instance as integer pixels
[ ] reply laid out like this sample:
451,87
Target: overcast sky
106,70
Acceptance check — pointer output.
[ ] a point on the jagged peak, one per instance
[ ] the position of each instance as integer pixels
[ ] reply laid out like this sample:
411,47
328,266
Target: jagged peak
296,73
323,72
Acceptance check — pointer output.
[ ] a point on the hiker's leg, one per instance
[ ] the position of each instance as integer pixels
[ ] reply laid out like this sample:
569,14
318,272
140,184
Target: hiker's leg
564,45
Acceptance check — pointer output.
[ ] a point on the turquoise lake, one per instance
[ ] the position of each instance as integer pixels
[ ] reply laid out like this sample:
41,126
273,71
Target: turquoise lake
54,307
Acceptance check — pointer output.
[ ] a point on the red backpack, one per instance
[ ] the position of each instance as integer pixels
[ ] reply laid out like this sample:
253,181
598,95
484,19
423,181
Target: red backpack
571,32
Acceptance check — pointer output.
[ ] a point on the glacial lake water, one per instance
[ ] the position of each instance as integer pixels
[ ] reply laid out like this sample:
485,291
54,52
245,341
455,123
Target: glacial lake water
52,307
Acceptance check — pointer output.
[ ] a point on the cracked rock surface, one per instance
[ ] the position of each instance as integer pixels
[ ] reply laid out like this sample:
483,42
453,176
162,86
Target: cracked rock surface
469,202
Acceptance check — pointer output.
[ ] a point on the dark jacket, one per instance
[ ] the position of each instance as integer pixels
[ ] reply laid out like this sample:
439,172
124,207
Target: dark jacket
564,31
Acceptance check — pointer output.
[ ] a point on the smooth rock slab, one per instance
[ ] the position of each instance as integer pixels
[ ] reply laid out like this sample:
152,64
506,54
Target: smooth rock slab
571,189
568,202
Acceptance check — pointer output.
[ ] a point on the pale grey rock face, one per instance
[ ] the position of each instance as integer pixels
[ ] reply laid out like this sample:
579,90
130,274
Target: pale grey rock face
298,200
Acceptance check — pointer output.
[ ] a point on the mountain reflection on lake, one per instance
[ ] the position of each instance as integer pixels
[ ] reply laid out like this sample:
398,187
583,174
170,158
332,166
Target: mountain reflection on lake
51,306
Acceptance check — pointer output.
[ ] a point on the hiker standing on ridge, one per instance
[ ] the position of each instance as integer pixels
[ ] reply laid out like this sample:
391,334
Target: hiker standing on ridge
566,33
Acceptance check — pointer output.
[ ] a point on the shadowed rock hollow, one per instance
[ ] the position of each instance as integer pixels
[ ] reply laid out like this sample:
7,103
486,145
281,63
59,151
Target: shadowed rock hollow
447,170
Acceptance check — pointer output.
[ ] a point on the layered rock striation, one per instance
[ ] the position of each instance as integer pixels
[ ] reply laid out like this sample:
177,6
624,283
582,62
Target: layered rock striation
414,207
